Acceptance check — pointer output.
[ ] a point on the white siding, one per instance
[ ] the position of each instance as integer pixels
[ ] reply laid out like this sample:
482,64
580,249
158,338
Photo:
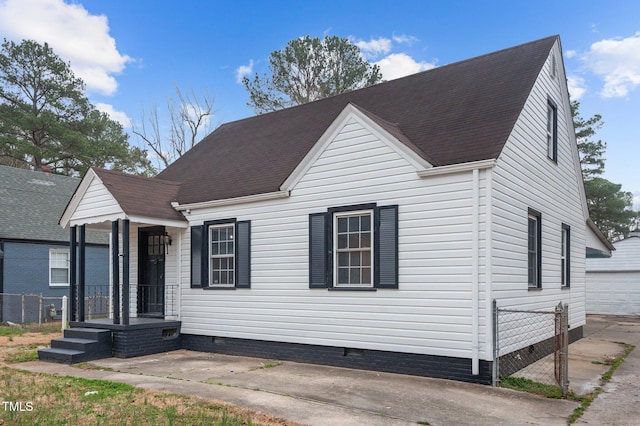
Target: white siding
96,203
431,311
626,257
594,242
526,178
613,284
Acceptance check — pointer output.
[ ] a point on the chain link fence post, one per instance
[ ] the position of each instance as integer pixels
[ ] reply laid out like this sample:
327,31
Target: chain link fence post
496,347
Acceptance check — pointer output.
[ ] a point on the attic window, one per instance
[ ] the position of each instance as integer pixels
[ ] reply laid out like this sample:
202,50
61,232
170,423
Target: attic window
553,70
552,130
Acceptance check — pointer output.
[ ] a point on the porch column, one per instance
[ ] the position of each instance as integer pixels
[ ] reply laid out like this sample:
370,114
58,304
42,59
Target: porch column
115,271
73,265
81,272
125,271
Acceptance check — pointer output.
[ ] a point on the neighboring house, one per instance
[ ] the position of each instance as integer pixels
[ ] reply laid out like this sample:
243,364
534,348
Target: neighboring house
613,283
34,249
371,229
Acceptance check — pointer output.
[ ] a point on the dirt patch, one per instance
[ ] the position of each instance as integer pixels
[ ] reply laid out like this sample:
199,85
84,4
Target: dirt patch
12,344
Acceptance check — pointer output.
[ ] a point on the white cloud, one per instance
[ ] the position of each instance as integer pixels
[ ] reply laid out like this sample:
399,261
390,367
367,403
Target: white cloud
617,61
244,70
118,116
636,200
399,65
76,36
404,39
374,48
576,87
570,54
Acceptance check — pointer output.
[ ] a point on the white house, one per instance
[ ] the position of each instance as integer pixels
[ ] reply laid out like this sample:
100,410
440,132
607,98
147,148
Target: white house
371,229
613,283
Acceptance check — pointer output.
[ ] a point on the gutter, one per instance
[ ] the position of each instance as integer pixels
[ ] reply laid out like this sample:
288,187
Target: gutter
230,201
458,168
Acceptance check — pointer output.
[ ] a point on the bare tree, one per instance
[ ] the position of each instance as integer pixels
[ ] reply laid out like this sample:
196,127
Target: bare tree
188,120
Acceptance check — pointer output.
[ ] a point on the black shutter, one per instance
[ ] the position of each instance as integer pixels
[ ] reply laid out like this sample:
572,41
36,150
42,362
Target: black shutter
318,250
386,274
243,254
197,255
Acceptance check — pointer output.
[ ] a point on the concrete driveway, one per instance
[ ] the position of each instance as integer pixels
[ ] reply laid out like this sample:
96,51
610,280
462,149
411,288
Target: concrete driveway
320,395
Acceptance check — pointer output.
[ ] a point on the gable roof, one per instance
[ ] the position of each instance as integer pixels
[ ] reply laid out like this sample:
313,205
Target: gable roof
453,114
142,196
31,204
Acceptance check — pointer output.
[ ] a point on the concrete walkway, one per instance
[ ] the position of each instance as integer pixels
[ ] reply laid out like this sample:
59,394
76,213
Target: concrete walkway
619,401
319,395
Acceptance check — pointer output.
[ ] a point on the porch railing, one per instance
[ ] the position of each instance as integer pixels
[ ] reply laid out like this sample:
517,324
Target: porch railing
154,300
151,300
97,301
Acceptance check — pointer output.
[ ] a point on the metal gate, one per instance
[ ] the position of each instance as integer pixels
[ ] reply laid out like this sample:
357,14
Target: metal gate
531,344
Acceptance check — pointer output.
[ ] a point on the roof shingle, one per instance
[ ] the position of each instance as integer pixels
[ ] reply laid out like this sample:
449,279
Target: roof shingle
453,114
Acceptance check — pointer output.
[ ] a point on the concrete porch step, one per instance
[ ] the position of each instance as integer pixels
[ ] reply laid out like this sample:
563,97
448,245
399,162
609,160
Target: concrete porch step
78,345
64,356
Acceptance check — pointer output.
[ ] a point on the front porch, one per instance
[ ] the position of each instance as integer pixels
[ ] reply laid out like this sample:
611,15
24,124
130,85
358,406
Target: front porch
142,336
101,322
138,312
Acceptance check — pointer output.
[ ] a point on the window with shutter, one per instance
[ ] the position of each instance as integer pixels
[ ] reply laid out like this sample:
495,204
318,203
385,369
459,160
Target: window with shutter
354,248
221,254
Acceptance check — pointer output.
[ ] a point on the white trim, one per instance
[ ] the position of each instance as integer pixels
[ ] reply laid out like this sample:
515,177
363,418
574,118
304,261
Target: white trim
351,112
475,274
459,168
230,201
211,256
155,221
566,109
488,258
77,197
58,250
348,213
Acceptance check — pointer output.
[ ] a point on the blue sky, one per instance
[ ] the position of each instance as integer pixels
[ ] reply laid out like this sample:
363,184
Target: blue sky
132,54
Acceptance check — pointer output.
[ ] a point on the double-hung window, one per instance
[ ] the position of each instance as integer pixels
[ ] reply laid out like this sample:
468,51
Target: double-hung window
354,248
552,131
58,267
534,249
565,256
221,254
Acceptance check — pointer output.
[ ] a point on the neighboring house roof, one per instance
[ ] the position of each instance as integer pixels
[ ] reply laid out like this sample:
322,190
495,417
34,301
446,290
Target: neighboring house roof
452,114
31,204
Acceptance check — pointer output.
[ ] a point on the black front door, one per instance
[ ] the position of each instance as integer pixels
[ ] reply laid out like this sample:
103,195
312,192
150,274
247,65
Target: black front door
151,272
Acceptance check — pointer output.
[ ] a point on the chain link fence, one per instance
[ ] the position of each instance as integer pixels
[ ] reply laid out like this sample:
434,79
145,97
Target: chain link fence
30,309
532,344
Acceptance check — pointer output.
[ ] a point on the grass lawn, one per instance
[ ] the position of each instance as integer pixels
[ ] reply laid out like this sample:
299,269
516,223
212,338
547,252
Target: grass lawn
43,399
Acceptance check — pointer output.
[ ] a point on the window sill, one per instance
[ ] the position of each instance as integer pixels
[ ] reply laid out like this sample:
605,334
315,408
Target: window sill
535,288
565,287
352,289
218,288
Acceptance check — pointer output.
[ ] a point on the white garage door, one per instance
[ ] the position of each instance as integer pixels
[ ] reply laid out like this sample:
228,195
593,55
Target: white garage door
613,293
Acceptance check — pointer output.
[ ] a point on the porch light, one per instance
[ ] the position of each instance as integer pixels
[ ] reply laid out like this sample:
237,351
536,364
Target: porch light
167,242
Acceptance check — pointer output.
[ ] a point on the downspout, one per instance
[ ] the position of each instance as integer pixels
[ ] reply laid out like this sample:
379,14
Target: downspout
475,273
178,295
488,268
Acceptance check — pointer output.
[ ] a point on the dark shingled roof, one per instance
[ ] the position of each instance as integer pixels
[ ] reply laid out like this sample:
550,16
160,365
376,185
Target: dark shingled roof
452,114
142,196
31,204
